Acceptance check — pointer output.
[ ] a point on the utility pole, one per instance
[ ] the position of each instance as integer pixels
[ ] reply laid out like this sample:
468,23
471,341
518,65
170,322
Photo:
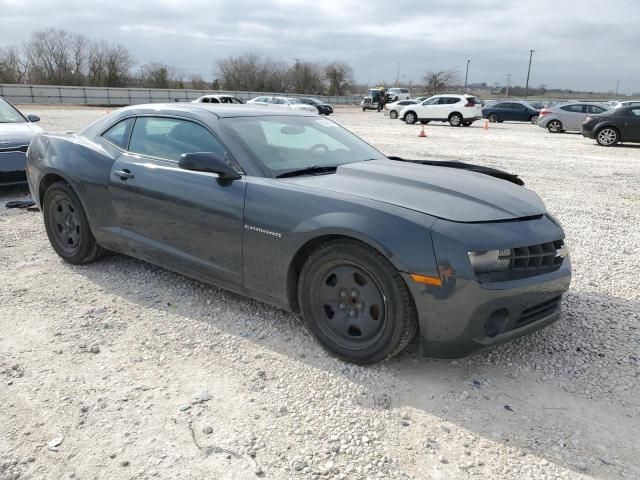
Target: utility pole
526,88
398,76
506,95
617,86
466,76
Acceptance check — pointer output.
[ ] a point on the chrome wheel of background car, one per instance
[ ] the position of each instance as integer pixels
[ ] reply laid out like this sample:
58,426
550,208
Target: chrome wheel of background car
410,118
534,119
455,120
607,137
554,126
393,114
352,305
493,118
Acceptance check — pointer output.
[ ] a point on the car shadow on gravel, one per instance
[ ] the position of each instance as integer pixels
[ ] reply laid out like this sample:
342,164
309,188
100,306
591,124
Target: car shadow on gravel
563,395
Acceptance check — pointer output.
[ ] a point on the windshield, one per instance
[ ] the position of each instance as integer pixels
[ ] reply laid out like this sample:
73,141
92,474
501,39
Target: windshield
284,143
8,114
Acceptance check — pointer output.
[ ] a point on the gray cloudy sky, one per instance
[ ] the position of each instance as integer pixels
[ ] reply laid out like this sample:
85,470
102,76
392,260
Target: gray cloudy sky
579,44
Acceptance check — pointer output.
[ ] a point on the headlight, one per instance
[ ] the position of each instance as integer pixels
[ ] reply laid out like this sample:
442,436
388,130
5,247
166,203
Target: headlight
490,260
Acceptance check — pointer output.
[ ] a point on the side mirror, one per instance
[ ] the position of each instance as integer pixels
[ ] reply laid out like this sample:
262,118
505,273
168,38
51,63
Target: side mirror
208,162
33,118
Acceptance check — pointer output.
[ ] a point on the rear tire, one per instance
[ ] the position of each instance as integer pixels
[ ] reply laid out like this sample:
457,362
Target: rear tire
355,303
607,136
455,119
534,119
393,114
410,118
493,118
554,126
67,226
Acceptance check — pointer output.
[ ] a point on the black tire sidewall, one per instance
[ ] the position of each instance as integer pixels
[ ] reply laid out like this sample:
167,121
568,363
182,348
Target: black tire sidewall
387,343
87,242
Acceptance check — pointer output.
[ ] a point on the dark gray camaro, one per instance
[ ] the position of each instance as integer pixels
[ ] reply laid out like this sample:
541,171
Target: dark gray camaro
294,210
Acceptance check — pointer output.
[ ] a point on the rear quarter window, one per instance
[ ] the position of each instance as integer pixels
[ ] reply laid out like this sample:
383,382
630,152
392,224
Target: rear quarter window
118,135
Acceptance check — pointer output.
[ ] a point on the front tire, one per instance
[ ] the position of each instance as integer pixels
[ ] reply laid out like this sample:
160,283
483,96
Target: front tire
455,119
67,226
393,114
355,303
493,118
410,118
554,126
607,136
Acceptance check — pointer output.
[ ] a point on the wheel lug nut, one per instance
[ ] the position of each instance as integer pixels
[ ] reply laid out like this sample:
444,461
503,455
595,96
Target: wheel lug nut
343,293
352,313
342,306
354,293
361,305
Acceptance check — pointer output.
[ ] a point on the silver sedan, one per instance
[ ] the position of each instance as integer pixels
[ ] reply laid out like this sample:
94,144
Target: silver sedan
568,116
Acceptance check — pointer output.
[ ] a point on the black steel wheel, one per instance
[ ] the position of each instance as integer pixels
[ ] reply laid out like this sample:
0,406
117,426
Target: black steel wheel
67,226
355,302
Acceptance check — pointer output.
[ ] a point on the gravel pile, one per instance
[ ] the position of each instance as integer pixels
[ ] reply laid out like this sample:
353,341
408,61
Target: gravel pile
124,370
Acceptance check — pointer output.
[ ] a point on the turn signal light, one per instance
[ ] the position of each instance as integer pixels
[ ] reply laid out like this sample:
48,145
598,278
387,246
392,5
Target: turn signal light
435,281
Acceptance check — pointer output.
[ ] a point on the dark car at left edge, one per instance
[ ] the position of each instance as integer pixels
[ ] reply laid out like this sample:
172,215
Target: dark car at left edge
16,132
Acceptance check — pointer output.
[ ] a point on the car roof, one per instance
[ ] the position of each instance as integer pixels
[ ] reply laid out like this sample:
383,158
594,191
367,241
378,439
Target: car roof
219,110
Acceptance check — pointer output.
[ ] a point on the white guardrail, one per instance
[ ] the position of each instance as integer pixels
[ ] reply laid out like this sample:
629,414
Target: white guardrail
66,95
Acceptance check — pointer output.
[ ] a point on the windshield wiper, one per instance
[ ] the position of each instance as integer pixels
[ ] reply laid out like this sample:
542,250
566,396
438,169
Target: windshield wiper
314,170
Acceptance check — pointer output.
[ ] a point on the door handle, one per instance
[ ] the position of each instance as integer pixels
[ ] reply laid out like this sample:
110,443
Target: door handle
123,174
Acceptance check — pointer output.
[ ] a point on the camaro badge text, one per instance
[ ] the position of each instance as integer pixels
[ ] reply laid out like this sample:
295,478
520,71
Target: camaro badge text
262,230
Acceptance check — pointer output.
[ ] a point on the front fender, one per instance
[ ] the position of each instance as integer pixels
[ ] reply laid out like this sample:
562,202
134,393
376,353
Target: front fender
280,220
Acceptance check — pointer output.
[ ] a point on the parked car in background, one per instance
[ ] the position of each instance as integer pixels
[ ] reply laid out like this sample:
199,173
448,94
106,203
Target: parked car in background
514,111
297,211
393,109
458,110
283,102
625,103
568,116
215,98
613,126
323,108
396,94
16,132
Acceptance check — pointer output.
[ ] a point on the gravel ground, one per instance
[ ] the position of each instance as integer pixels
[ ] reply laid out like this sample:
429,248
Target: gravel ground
124,370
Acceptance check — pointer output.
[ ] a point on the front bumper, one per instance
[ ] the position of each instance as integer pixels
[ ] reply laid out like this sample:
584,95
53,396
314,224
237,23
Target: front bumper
12,165
464,315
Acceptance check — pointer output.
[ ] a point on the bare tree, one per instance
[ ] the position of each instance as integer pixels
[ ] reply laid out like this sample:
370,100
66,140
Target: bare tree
440,81
158,75
275,76
13,68
307,77
197,82
240,73
340,77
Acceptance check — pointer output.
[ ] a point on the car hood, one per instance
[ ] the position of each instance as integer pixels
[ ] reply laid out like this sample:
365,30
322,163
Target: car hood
17,134
442,192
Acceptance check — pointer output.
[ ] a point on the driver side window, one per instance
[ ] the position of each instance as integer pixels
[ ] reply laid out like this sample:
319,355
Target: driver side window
168,138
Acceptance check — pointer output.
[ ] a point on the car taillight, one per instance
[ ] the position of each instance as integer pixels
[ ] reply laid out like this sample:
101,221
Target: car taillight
544,111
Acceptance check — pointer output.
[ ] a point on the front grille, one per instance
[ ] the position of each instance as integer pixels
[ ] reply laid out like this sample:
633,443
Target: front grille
535,256
524,262
20,148
538,312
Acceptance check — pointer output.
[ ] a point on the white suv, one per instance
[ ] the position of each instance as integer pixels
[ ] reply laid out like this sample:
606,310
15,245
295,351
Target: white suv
395,94
456,109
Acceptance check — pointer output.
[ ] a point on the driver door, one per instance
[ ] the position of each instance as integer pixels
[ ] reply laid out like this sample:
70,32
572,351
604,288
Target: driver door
188,221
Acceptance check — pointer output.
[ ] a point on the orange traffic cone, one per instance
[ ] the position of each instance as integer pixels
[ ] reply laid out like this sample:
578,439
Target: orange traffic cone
422,133
486,124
